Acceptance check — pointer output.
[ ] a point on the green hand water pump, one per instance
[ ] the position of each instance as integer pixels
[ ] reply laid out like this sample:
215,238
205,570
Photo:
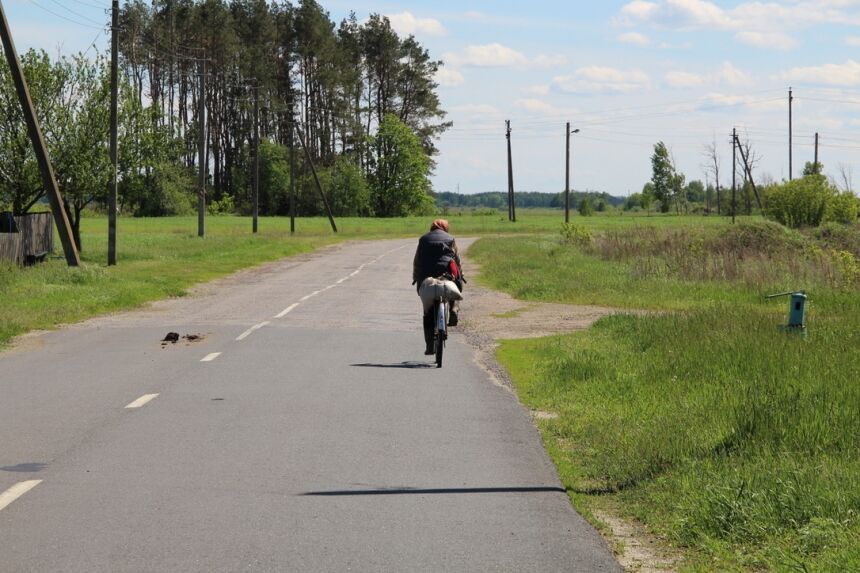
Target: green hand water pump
796,309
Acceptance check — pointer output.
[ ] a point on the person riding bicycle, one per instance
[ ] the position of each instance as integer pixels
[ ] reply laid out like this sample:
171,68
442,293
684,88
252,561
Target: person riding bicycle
437,256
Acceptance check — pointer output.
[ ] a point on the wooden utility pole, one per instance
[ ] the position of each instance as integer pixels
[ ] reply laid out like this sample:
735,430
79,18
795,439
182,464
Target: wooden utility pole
256,156
201,151
292,170
734,171
790,100
317,179
816,152
567,174
114,99
44,160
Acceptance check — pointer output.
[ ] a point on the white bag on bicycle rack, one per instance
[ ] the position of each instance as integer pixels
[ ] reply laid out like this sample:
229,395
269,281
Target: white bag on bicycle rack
433,289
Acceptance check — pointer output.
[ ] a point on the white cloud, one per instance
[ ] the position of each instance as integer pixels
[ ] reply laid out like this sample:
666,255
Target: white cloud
634,38
487,56
543,108
679,79
549,61
599,79
537,90
407,23
498,56
847,74
853,41
449,78
755,23
728,74
774,40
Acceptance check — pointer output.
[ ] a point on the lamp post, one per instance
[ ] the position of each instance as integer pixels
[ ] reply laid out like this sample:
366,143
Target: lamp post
567,174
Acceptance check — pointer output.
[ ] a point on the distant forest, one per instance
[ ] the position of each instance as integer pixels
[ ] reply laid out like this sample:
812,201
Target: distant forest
525,199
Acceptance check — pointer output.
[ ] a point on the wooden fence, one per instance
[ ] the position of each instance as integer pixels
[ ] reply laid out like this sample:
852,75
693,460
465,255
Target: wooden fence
28,240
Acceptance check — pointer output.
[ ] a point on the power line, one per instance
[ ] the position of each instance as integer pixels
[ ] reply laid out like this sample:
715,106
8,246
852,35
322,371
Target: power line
48,10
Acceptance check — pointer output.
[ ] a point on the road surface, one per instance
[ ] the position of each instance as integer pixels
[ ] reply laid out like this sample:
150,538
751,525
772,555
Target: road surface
306,431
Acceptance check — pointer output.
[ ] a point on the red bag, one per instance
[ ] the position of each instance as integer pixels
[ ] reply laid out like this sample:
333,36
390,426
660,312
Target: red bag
454,269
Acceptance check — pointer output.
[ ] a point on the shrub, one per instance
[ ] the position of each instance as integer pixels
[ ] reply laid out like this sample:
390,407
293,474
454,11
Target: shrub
842,208
586,209
574,234
802,202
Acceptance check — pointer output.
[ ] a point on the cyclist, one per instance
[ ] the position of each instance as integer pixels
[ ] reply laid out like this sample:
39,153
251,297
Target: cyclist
437,256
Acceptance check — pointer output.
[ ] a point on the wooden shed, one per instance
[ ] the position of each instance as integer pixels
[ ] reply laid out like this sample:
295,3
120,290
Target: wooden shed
26,239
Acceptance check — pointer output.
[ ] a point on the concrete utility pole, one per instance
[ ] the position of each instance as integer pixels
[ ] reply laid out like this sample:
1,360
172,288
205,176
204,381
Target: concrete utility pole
734,171
114,99
816,151
567,175
292,170
790,100
256,155
512,207
64,229
201,151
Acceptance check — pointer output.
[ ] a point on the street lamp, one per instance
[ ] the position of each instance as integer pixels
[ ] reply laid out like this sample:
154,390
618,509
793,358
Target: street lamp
567,174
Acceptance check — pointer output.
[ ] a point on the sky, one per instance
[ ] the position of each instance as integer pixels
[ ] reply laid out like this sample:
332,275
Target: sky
626,74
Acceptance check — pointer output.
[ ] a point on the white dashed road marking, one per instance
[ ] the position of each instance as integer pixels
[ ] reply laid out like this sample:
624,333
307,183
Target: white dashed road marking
248,332
286,311
141,401
17,491
211,357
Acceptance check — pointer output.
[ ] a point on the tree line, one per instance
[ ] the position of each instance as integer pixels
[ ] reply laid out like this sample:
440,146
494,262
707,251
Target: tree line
808,201
525,199
364,97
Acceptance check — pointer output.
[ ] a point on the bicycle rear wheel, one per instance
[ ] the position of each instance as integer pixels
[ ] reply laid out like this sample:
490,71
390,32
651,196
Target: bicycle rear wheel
440,332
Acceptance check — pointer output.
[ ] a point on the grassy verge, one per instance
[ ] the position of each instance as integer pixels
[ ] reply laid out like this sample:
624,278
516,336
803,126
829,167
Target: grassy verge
732,439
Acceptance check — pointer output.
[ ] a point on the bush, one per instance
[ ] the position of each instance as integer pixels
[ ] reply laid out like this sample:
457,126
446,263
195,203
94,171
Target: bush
350,193
586,209
171,190
802,202
842,208
574,234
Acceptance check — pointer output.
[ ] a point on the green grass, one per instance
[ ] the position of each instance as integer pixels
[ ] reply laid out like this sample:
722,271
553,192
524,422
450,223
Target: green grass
732,439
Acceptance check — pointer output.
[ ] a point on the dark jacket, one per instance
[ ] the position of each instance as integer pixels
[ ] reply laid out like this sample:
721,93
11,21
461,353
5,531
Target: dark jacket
435,251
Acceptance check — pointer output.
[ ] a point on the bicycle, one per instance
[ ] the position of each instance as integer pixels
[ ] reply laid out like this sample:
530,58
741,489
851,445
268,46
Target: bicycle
440,327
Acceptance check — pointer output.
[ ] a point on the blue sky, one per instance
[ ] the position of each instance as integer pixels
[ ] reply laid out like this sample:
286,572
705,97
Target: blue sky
627,74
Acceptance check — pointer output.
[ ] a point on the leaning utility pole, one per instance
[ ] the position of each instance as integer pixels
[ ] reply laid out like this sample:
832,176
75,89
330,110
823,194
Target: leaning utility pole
734,171
42,157
790,100
292,170
567,174
317,179
256,155
114,98
201,151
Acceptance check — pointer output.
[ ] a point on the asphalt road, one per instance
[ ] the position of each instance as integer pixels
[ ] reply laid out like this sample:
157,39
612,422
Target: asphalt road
305,432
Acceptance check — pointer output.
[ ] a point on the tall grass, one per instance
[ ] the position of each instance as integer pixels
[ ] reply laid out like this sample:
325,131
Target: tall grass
732,438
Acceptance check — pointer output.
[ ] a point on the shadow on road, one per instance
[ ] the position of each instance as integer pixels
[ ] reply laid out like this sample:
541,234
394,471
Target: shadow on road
398,365
420,491
31,467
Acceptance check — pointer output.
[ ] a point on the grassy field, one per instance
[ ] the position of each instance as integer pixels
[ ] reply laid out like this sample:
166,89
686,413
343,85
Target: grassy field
732,439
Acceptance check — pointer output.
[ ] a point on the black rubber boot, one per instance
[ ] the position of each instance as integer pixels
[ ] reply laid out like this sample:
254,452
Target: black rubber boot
428,334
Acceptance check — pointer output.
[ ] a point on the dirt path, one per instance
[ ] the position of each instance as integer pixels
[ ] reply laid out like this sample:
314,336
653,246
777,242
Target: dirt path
490,316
